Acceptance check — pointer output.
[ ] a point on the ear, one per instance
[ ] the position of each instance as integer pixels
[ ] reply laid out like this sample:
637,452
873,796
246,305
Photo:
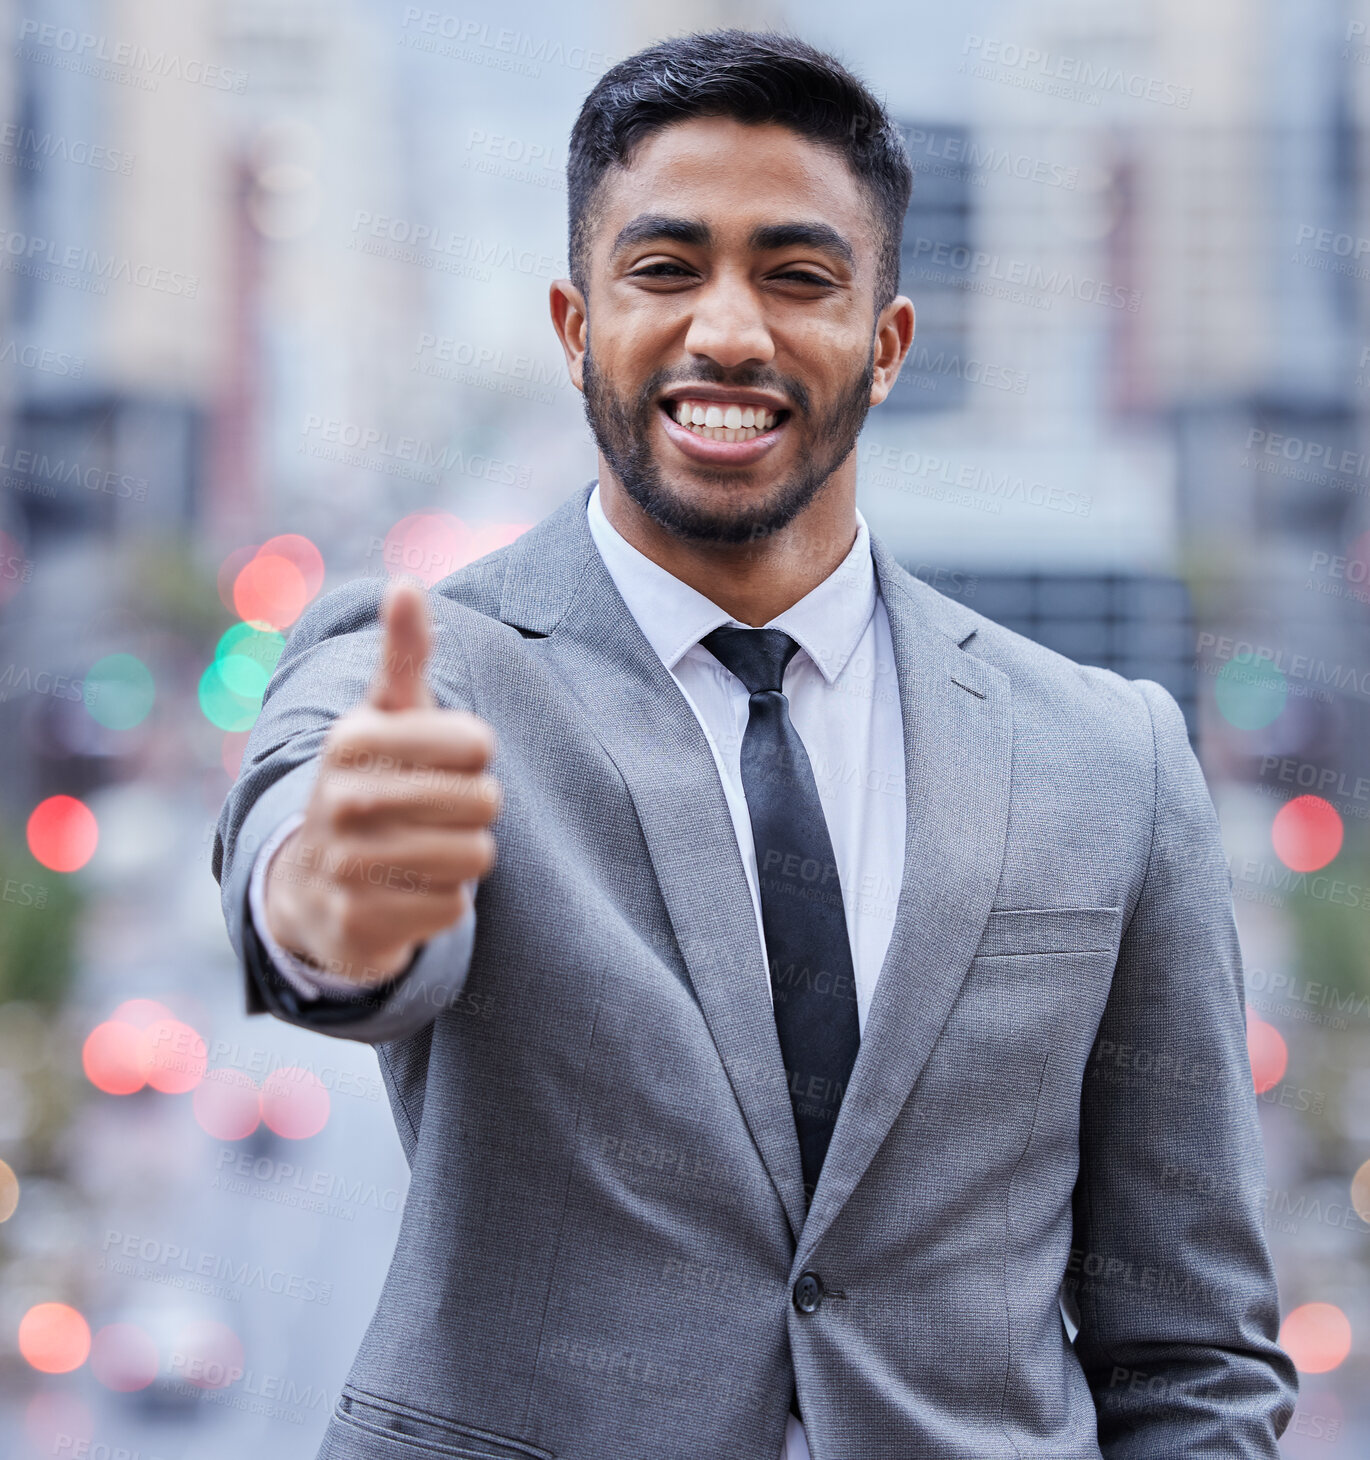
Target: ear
893,336
571,320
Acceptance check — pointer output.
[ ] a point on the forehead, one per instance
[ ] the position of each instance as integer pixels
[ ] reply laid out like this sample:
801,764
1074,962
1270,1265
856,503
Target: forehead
735,176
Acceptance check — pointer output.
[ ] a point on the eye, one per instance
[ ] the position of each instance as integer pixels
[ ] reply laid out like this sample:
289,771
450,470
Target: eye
659,271
804,277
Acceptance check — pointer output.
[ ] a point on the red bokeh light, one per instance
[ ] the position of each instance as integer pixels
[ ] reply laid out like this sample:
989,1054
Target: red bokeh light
110,1058
430,545
294,1103
271,583
62,833
228,1104
172,1056
123,1357
1268,1052
270,590
1317,1336
1307,833
297,549
54,1338
425,545
229,569
487,536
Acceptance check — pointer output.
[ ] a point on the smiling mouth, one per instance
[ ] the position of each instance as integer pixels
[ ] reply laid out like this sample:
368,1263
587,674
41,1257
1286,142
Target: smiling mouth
720,421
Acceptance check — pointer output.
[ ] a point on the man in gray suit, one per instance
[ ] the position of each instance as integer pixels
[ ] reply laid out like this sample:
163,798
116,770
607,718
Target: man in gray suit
856,987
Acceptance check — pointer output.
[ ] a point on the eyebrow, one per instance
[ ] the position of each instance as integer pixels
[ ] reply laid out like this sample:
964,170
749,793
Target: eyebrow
696,233
810,235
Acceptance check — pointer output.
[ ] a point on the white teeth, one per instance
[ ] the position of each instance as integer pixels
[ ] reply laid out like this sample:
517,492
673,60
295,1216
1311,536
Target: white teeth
723,423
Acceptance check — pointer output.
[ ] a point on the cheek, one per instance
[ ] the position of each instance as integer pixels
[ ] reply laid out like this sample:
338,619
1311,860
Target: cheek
636,316
826,356
834,387
633,346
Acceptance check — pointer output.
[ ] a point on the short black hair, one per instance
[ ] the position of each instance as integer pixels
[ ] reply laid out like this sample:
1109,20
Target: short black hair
752,77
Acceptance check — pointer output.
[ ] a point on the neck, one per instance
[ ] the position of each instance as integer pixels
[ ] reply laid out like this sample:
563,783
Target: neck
751,581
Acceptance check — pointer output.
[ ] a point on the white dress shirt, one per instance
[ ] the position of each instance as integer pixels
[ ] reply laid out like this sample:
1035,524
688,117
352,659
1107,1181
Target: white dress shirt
844,703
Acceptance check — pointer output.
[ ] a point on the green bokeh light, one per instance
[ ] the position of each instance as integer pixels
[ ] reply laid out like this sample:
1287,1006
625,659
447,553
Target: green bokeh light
1250,693
246,656
119,691
222,705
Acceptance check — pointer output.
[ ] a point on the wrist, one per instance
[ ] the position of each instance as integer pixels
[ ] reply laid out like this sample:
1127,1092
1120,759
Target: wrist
278,902
289,919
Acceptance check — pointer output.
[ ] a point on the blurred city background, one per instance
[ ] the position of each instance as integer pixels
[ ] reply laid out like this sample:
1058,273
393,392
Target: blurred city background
273,282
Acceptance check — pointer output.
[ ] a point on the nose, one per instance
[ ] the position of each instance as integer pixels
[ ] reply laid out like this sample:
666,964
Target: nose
728,324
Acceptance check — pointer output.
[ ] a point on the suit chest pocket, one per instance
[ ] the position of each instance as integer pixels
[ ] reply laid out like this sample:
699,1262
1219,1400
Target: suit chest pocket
1036,986
1032,931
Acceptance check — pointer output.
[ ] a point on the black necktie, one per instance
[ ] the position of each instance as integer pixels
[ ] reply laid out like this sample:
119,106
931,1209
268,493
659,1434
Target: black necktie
807,946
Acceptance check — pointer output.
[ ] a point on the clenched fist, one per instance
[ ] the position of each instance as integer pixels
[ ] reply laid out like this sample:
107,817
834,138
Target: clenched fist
398,819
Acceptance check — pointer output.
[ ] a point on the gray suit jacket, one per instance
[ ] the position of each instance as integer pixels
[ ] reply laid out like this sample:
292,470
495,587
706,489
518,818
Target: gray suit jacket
605,1224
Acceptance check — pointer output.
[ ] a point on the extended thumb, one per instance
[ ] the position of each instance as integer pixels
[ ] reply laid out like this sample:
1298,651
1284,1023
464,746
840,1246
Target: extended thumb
399,682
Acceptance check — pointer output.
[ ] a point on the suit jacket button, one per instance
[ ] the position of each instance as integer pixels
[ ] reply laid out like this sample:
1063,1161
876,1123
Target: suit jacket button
808,1292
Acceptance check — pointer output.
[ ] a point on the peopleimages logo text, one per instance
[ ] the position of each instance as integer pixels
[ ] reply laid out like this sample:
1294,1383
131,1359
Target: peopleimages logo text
1097,76
83,46
33,249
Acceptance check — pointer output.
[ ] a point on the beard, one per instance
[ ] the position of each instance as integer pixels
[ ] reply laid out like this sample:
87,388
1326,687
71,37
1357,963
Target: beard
623,432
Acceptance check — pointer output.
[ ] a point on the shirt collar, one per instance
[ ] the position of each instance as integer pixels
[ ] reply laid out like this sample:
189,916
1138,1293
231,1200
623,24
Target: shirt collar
827,623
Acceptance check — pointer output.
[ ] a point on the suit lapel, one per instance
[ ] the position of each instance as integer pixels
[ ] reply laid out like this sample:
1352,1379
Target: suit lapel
958,746
556,585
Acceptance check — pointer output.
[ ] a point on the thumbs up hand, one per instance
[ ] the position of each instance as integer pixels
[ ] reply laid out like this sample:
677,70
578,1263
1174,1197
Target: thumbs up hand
397,820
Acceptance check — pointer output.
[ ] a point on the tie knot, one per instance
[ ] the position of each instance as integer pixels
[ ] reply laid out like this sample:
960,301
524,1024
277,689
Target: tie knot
756,656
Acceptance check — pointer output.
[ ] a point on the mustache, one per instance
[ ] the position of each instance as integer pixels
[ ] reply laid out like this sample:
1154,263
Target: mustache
707,373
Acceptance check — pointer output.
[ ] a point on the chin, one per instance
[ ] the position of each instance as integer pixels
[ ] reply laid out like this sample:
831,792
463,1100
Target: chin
703,505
